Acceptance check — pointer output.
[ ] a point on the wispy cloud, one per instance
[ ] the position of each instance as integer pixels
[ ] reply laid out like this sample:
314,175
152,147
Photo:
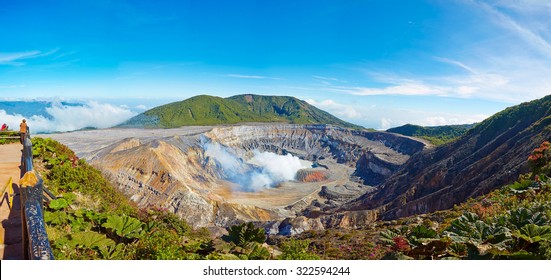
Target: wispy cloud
340,110
456,63
512,67
14,58
328,79
479,84
380,117
246,76
408,88
12,86
532,38
239,76
60,55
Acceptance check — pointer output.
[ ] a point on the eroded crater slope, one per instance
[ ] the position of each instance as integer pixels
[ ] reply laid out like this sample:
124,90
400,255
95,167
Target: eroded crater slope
203,173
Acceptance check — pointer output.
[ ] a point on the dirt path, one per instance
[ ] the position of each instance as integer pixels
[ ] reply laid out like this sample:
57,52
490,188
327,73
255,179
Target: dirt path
10,229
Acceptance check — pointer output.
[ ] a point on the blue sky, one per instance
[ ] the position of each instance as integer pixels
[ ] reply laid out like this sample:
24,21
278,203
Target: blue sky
375,63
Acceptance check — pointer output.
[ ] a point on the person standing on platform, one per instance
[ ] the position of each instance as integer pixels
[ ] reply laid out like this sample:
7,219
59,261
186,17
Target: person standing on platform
23,130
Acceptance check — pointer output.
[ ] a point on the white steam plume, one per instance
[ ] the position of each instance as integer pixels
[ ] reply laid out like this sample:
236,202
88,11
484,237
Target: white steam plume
264,170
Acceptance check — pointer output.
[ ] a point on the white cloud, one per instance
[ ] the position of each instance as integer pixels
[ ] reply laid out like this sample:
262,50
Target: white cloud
246,76
239,76
513,80
409,88
11,58
12,86
15,58
456,63
512,66
328,80
384,117
386,123
532,38
428,119
69,118
339,110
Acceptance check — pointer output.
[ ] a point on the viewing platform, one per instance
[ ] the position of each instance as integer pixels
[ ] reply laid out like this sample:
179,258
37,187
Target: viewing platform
11,247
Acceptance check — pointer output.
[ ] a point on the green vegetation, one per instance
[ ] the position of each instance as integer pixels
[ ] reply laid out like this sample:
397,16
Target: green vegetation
536,115
513,222
245,233
437,135
9,134
89,219
297,250
211,110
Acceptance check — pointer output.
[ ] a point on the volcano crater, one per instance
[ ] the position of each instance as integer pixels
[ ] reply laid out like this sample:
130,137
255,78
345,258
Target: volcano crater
199,172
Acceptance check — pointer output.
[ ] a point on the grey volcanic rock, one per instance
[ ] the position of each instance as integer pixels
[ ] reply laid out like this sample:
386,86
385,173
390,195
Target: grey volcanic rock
170,169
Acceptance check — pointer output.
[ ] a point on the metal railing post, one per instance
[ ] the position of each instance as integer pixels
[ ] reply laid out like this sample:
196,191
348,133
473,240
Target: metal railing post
36,245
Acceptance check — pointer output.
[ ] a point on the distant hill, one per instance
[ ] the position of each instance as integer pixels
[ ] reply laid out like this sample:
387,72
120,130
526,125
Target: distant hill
211,110
491,154
437,135
31,108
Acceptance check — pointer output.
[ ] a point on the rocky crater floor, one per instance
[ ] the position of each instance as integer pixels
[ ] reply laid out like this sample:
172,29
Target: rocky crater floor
219,176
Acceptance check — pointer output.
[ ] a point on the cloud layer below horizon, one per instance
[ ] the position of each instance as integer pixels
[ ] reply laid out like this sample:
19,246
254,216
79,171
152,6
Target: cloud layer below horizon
64,118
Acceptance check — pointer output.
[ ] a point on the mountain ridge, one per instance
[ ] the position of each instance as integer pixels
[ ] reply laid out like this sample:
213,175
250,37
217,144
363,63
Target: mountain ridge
212,110
437,135
491,154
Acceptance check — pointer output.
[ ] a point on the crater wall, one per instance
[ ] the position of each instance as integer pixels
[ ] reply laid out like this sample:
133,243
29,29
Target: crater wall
169,169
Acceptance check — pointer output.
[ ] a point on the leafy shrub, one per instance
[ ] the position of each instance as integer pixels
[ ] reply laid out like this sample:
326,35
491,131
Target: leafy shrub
124,226
469,229
540,160
421,233
522,216
58,204
534,233
296,250
246,232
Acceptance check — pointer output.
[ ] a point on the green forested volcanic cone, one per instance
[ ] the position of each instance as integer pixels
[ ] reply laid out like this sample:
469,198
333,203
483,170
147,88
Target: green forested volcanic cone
211,110
438,135
198,110
289,109
491,154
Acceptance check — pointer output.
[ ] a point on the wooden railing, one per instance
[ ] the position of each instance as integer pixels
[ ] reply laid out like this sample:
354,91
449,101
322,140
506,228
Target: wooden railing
36,245
9,136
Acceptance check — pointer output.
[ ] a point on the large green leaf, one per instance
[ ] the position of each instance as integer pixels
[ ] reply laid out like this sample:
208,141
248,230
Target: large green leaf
421,234
59,203
79,224
469,229
533,233
56,218
112,252
522,216
387,237
90,239
124,226
244,233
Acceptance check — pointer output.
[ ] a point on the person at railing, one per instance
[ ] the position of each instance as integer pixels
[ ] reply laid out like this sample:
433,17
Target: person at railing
4,127
23,130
